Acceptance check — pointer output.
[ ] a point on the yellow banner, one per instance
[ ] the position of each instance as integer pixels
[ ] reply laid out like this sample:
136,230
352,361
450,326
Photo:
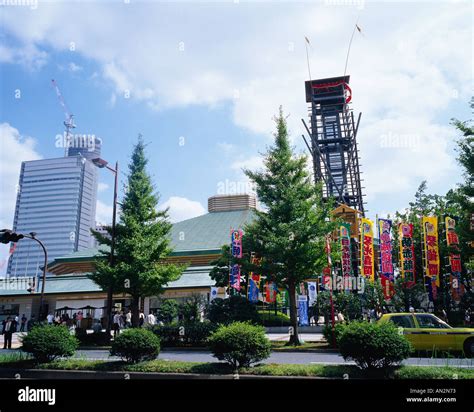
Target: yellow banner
367,248
430,242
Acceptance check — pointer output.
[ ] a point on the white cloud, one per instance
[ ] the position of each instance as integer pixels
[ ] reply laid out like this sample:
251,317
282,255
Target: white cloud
73,67
29,56
103,213
14,149
405,73
102,187
181,208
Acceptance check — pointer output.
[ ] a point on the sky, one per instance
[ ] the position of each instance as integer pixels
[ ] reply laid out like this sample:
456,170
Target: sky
202,81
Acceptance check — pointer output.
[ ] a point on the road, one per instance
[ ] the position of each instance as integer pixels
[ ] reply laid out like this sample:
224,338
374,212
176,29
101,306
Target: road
304,358
276,357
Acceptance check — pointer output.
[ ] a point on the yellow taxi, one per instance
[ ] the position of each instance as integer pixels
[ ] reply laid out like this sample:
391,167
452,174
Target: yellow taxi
427,332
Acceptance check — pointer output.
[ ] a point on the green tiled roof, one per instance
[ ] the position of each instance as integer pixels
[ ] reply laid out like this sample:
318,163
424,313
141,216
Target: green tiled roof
209,231
206,233
194,277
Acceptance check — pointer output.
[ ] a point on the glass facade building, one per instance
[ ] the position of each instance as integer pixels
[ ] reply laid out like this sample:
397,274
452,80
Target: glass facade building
56,199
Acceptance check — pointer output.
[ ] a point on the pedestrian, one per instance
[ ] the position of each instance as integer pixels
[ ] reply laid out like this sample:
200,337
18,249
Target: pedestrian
116,323
141,319
50,318
340,317
8,329
151,320
128,319
23,323
467,318
79,318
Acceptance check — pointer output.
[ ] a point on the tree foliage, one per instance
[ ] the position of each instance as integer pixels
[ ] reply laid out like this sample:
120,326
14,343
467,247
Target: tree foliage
142,241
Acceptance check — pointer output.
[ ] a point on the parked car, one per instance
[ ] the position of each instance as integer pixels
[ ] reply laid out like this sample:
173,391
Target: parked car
427,332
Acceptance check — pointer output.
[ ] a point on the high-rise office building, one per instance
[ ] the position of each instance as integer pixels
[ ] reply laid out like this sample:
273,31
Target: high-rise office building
57,200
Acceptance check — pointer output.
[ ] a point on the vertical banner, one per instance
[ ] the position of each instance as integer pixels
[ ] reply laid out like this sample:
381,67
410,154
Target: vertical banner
213,294
312,293
270,292
303,310
346,262
254,281
367,249
236,250
407,253
452,240
386,264
430,244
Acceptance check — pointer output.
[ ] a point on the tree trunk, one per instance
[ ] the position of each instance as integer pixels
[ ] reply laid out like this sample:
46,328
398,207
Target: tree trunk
135,311
294,339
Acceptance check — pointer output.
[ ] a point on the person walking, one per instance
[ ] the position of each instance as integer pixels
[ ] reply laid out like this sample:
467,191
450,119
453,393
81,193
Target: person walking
50,318
128,319
116,323
151,320
8,328
23,323
141,319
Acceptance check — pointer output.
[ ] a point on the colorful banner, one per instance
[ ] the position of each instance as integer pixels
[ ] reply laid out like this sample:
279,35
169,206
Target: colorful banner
303,310
235,277
367,248
236,243
346,262
270,292
430,245
407,253
254,281
452,240
386,264
236,251
312,293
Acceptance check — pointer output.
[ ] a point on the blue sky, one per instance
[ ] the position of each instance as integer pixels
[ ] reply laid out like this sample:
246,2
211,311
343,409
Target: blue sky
201,82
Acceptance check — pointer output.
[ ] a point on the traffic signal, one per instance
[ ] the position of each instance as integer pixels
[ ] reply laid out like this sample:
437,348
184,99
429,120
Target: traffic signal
7,236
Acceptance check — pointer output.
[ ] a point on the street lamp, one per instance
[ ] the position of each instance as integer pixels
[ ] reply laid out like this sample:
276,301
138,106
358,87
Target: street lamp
7,236
101,163
32,235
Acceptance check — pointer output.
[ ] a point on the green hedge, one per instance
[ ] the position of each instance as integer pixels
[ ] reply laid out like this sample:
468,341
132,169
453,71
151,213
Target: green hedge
184,334
338,329
136,345
373,345
240,344
48,342
269,318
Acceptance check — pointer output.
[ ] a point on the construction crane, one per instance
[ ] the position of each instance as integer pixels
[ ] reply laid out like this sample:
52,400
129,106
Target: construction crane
69,122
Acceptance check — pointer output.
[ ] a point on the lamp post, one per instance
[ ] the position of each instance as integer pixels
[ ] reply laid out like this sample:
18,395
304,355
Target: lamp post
7,236
32,235
101,163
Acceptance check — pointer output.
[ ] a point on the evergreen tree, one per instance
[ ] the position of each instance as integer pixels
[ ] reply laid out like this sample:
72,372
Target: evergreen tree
142,241
289,235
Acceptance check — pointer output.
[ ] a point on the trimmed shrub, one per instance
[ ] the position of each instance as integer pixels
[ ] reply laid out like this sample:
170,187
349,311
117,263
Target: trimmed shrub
338,329
269,318
234,309
136,345
240,344
48,342
373,345
184,334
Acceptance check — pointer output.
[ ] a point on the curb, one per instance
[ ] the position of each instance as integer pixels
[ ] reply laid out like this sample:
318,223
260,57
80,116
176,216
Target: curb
115,375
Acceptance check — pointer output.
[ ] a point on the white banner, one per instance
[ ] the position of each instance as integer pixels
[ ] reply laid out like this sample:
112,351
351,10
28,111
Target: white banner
213,293
312,293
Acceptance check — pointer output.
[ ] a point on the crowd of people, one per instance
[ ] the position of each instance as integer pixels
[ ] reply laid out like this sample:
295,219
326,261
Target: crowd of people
123,320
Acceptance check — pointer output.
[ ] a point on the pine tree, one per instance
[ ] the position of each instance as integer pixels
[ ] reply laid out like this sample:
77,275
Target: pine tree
142,241
289,235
